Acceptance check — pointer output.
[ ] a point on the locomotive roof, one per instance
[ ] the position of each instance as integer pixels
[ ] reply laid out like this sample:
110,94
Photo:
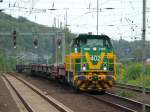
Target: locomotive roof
83,36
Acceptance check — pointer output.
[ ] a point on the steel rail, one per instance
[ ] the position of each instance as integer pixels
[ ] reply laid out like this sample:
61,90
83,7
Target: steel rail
125,104
131,87
101,99
28,107
52,101
115,105
128,100
118,106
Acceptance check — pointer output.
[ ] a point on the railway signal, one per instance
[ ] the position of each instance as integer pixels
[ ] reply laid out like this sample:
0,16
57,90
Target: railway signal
14,38
59,43
35,43
14,44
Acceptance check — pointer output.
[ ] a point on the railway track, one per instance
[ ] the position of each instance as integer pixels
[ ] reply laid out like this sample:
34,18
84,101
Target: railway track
131,87
116,102
128,105
121,103
34,99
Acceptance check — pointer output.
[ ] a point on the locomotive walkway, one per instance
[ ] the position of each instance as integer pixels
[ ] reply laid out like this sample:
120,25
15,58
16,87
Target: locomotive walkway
33,99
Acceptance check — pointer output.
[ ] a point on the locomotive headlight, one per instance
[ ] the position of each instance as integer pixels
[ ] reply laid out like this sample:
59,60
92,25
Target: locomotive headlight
84,67
94,48
104,66
75,50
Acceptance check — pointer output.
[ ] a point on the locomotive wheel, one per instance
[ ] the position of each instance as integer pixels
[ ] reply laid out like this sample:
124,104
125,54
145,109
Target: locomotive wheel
71,83
103,91
75,87
69,79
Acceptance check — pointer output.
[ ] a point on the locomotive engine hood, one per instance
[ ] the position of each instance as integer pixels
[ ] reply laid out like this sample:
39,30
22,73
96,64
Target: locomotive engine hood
96,58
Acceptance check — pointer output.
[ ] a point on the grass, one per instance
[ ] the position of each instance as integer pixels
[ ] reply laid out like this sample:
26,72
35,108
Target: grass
131,74
127,94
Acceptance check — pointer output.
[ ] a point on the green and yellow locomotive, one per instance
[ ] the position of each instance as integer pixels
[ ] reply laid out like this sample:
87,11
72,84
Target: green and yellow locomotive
91,63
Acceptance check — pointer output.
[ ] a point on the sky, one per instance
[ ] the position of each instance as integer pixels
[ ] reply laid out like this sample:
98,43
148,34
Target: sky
123,21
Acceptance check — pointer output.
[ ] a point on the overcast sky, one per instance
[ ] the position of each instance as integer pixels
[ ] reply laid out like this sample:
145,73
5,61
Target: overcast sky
125,20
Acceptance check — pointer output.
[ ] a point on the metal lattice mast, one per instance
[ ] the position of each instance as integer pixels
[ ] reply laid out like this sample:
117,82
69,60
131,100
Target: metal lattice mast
97,14
143,53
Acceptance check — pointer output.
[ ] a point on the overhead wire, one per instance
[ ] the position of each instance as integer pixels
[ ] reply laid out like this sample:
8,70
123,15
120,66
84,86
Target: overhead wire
103,13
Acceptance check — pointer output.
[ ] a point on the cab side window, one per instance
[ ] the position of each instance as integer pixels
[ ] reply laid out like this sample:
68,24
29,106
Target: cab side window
106,44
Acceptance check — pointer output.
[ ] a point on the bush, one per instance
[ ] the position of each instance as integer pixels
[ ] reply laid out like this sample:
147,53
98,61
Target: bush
134,71
148,69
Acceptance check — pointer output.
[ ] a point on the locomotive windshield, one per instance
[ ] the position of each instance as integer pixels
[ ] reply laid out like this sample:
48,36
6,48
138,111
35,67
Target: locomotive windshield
91,41
96,42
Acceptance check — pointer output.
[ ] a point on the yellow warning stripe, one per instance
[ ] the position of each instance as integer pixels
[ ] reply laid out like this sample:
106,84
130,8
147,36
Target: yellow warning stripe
98,65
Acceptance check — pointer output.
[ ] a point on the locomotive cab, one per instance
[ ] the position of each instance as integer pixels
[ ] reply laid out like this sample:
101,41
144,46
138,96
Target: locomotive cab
91,63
